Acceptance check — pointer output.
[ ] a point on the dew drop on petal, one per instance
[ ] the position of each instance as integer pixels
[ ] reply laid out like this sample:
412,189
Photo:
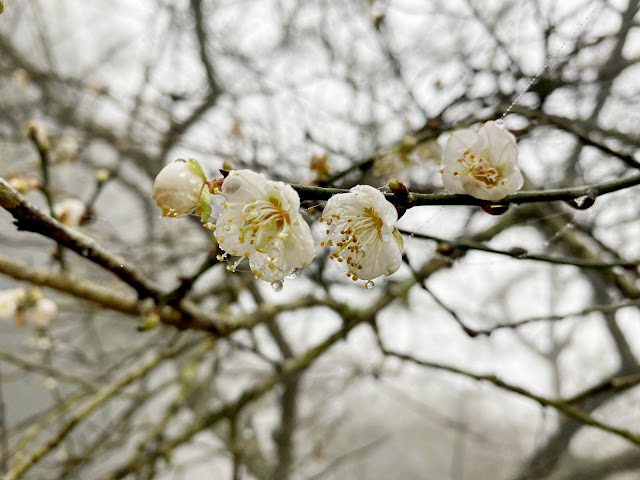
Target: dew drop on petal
277,285
499,123
369,284
293,273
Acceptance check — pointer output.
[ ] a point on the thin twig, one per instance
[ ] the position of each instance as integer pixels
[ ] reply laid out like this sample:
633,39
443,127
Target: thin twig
41,142
45,369
532,196
523,254
23,463
561,406
553,318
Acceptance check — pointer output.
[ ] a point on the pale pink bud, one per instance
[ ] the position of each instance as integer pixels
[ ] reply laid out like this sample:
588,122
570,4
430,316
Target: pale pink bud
46,309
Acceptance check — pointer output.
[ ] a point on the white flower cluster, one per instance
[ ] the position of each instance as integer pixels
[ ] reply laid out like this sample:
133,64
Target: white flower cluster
261,219
18,301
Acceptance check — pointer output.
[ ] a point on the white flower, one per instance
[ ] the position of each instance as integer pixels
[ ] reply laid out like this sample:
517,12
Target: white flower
70,211
261,221
361,226
45,310
181,189
482,164
10,301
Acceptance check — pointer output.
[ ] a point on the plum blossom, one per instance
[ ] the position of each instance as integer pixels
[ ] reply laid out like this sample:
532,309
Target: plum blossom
361,225
70,212
181,189
482,164
261,221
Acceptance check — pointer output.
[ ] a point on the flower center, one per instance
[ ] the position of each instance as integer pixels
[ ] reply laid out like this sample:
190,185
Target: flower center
352,236
480,168
263,220
374,221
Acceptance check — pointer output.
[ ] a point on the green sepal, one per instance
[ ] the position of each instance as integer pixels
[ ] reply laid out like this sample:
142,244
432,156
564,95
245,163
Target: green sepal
148,323
205,204
194,166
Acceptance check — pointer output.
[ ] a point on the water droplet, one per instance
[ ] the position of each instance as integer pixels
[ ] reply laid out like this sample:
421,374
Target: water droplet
121,266
495,208
519,252
445,249
369,284
277,285
583,202
293,273
500,123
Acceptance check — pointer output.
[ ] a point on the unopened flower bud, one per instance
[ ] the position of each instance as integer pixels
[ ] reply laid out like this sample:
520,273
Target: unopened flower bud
150,321
49,383
24,184
70,211
181,189
38,133
102,175
46,309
